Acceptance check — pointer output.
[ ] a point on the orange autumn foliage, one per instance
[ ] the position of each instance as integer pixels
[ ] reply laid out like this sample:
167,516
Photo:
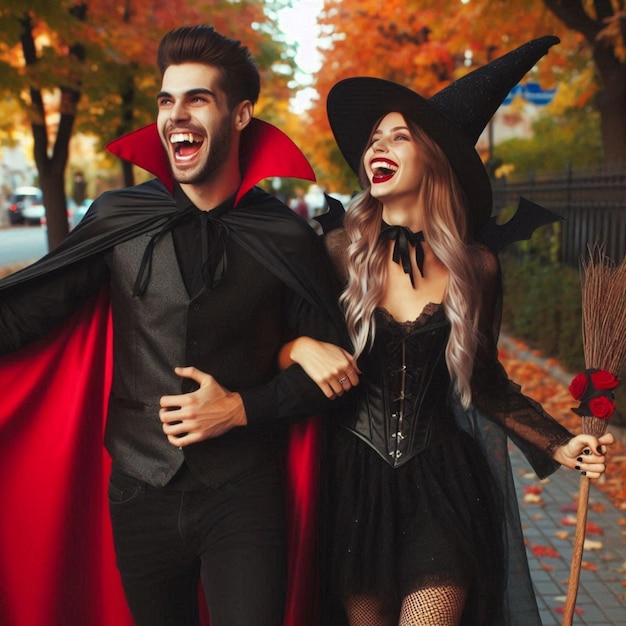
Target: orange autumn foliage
423,44
119,43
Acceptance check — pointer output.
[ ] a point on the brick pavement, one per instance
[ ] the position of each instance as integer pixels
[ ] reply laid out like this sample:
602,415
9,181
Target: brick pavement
601,599
602,595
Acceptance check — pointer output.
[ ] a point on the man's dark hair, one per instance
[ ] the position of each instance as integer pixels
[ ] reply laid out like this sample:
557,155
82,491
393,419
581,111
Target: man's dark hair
203,44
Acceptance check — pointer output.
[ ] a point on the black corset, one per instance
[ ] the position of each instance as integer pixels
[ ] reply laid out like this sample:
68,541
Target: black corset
403,394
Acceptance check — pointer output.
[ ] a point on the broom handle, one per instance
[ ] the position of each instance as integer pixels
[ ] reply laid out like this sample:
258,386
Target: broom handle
577,553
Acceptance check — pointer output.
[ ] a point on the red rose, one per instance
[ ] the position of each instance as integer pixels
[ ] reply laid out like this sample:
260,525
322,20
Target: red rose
602,407
604,380
578,386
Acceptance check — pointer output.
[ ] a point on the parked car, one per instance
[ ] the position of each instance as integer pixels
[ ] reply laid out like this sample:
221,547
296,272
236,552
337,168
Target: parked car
24,199
33,213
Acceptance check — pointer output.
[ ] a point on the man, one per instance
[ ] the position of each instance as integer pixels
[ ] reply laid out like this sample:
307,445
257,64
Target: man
206,283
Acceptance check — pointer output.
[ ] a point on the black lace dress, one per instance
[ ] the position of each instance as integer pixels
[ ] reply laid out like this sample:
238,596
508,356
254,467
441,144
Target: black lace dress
414,499
420,491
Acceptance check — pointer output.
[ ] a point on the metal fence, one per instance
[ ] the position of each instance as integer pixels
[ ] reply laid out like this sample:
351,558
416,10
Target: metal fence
592,203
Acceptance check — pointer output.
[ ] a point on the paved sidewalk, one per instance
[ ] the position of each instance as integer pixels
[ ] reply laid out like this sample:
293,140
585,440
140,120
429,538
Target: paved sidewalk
549,538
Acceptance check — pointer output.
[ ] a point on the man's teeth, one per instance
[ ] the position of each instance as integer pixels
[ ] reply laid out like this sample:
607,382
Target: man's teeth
182,138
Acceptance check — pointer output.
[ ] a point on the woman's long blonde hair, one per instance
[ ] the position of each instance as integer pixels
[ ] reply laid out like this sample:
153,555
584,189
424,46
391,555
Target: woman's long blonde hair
445,229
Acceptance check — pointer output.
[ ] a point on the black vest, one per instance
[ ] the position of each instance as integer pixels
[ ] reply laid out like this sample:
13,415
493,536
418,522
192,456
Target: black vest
153,333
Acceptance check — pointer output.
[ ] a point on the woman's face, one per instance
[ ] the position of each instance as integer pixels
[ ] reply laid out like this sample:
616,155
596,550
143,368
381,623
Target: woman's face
393,160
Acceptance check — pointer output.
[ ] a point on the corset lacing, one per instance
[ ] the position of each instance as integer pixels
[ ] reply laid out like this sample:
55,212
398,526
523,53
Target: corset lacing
402,399
399,401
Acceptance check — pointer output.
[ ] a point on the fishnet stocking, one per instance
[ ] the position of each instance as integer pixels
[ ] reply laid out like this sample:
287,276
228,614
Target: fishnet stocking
430,606
367,611
433,606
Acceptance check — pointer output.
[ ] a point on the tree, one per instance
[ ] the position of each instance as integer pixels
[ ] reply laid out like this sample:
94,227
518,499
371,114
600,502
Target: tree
51,163
603,25
124,45
391,41
578,148
425,44
91,65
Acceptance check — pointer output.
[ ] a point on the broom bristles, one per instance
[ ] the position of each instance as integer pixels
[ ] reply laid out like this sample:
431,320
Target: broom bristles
604,321
604,311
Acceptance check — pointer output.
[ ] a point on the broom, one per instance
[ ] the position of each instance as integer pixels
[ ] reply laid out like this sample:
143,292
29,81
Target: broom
604,347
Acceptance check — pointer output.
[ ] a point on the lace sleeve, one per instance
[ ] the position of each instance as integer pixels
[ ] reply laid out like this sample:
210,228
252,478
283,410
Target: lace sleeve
535,432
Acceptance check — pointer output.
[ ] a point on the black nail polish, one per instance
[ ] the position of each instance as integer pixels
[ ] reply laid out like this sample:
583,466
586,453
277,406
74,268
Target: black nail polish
576,467
580,459
586,451
583,473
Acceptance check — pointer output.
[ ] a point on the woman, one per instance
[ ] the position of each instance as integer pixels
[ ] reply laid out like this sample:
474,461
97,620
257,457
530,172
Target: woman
416,501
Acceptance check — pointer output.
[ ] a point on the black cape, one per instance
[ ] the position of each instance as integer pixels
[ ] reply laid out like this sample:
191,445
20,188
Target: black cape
56,553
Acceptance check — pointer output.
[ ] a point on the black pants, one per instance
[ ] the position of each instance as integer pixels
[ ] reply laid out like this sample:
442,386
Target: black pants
233,538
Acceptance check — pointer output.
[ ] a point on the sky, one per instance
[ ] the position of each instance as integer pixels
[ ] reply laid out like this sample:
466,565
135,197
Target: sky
299,23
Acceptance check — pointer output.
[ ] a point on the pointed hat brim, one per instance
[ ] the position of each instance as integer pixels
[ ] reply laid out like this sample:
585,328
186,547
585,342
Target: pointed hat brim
453,118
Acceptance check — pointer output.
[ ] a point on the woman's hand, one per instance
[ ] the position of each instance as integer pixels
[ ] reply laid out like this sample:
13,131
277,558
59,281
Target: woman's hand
585,454
333,369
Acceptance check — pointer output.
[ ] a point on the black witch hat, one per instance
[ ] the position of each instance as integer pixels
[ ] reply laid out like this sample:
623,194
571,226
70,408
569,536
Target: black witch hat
454,117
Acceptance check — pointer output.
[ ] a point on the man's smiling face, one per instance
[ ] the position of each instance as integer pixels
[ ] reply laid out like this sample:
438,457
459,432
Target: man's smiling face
194,122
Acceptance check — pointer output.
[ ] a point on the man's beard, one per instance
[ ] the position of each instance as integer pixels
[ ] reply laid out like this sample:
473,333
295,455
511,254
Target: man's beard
218,153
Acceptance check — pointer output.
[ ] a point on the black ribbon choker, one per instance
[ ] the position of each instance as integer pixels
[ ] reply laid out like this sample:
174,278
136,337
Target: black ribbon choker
403,236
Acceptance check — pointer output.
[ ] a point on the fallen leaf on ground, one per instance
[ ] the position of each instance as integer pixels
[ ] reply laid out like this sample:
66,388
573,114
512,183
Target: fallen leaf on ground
591,545
533,498
535,489
593,529
577,610
544,551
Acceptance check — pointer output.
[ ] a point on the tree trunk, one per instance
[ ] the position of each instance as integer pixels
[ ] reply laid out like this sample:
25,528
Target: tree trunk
612,71
51,168
127,91
52,186
612,105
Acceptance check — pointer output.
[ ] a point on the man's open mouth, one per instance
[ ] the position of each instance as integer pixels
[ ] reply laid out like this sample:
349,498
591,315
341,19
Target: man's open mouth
186,145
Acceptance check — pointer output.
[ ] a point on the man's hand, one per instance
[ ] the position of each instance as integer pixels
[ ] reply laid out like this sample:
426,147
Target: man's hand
208,412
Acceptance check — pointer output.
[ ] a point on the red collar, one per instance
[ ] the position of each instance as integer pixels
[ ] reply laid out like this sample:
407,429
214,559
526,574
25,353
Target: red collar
265,152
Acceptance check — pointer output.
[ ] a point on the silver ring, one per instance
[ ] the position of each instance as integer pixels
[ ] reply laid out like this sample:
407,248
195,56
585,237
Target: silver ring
342,381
